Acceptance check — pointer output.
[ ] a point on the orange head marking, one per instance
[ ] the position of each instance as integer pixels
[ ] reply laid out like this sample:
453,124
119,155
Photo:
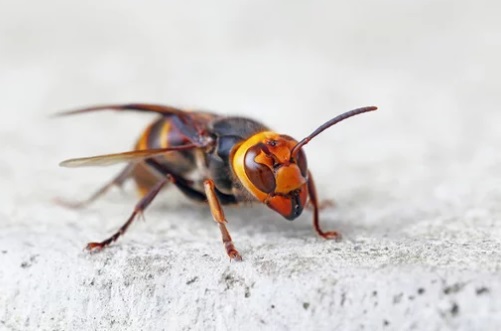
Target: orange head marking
266,167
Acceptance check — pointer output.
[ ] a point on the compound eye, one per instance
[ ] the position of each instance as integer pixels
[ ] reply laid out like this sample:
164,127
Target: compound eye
301,163
259,174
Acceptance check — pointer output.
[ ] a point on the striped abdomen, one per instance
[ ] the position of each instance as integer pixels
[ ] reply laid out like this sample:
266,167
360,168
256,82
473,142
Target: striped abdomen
163,133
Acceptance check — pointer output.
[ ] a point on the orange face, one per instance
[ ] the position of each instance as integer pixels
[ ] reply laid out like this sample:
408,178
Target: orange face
265,166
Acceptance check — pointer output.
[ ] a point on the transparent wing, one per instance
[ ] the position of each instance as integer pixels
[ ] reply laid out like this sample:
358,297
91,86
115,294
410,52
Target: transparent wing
111,159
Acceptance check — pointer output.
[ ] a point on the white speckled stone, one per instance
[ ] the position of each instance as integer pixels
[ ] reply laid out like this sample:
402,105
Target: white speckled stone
417,184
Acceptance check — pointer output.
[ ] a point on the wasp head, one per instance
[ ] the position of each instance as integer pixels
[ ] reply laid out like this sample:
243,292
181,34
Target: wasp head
273,167
270,170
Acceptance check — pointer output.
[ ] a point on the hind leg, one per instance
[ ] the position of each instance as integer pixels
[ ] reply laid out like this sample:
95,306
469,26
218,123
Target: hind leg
138,210
118,180
182,183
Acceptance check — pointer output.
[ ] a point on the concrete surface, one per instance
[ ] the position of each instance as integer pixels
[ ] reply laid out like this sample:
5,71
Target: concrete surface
417,184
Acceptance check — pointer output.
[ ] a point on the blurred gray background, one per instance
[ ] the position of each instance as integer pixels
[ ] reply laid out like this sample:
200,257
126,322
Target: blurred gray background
417,184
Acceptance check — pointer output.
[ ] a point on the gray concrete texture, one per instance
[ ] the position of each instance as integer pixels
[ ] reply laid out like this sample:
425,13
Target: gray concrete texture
417,184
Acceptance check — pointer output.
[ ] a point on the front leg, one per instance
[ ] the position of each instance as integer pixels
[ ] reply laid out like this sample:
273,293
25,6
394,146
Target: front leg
314,202
218,215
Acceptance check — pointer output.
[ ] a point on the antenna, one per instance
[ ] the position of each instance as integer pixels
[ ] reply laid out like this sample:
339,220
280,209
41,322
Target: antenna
328,124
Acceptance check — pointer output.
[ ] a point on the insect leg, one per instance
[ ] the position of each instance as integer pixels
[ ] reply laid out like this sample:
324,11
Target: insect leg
138,210
314,202
117,181
218,215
